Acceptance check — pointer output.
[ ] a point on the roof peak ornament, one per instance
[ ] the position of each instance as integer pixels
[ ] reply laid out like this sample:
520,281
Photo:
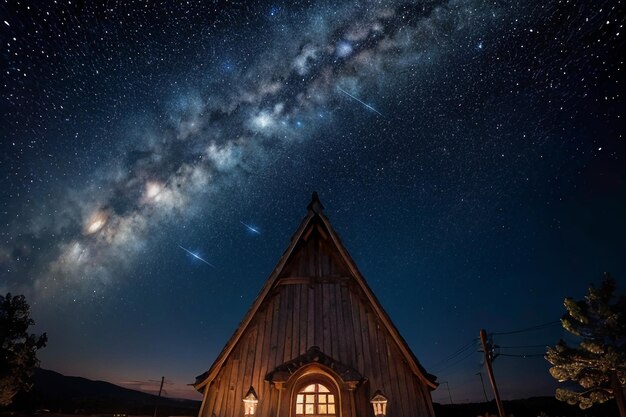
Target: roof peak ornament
315,205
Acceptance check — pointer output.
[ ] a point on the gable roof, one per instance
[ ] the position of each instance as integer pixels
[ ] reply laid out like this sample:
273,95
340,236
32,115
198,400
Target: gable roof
315,212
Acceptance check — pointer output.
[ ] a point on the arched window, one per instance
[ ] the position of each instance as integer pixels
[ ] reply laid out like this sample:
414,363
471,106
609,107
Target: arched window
316,400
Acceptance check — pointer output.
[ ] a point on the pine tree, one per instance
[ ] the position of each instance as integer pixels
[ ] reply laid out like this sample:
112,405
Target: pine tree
18,348
598,363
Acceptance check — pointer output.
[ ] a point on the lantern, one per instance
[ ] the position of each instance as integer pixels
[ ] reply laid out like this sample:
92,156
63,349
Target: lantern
379,402
250,401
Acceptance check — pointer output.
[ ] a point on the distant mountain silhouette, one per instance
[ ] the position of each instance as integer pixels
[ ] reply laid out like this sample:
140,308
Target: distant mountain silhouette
70,394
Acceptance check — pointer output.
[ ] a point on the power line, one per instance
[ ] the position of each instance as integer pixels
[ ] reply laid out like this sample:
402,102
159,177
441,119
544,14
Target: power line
464,351
482,383
456,353
463,358
523,346
460,350
532,355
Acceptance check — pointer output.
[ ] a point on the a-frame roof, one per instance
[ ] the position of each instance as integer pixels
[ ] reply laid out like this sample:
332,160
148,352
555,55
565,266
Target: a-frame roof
315,212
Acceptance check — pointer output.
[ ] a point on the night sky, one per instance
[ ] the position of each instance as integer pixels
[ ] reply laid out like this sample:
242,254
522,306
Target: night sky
470,154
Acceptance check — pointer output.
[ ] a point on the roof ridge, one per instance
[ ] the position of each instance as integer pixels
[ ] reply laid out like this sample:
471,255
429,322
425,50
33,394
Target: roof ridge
315,210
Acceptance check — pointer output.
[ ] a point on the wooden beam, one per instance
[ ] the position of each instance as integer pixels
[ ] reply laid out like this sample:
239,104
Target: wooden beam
307,280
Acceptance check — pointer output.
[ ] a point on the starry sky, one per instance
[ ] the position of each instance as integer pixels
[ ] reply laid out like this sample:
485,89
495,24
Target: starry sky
156,156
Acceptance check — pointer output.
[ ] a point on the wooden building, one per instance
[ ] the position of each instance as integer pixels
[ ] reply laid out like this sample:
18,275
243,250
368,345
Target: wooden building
316,342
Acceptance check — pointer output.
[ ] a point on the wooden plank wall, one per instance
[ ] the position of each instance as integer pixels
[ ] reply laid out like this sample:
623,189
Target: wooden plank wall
329,312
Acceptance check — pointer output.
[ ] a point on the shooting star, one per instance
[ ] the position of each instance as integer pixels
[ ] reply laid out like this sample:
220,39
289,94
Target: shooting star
362,102
197,257
250,228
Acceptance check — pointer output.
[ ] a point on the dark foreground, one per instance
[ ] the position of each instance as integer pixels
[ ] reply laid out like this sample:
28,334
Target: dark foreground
56,395
529,407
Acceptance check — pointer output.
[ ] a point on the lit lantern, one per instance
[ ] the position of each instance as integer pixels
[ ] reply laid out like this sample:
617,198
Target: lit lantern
250,401
379,402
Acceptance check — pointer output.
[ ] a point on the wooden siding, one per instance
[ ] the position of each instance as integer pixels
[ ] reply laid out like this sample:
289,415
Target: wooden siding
316,302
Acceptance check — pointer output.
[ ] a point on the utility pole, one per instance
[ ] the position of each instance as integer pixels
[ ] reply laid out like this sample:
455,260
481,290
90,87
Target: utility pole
159,396
480,374
492,379
448,385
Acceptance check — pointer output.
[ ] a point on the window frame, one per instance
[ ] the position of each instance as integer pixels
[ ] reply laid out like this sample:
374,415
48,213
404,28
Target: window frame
314,375
317,394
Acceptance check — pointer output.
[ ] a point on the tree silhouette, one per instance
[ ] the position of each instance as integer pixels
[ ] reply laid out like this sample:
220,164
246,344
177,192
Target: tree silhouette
18,348
598,363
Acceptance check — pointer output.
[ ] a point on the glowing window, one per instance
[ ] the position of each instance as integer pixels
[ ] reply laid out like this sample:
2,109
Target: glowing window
315,400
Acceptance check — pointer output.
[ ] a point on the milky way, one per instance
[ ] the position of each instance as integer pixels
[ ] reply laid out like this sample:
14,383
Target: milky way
470,153
209,136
